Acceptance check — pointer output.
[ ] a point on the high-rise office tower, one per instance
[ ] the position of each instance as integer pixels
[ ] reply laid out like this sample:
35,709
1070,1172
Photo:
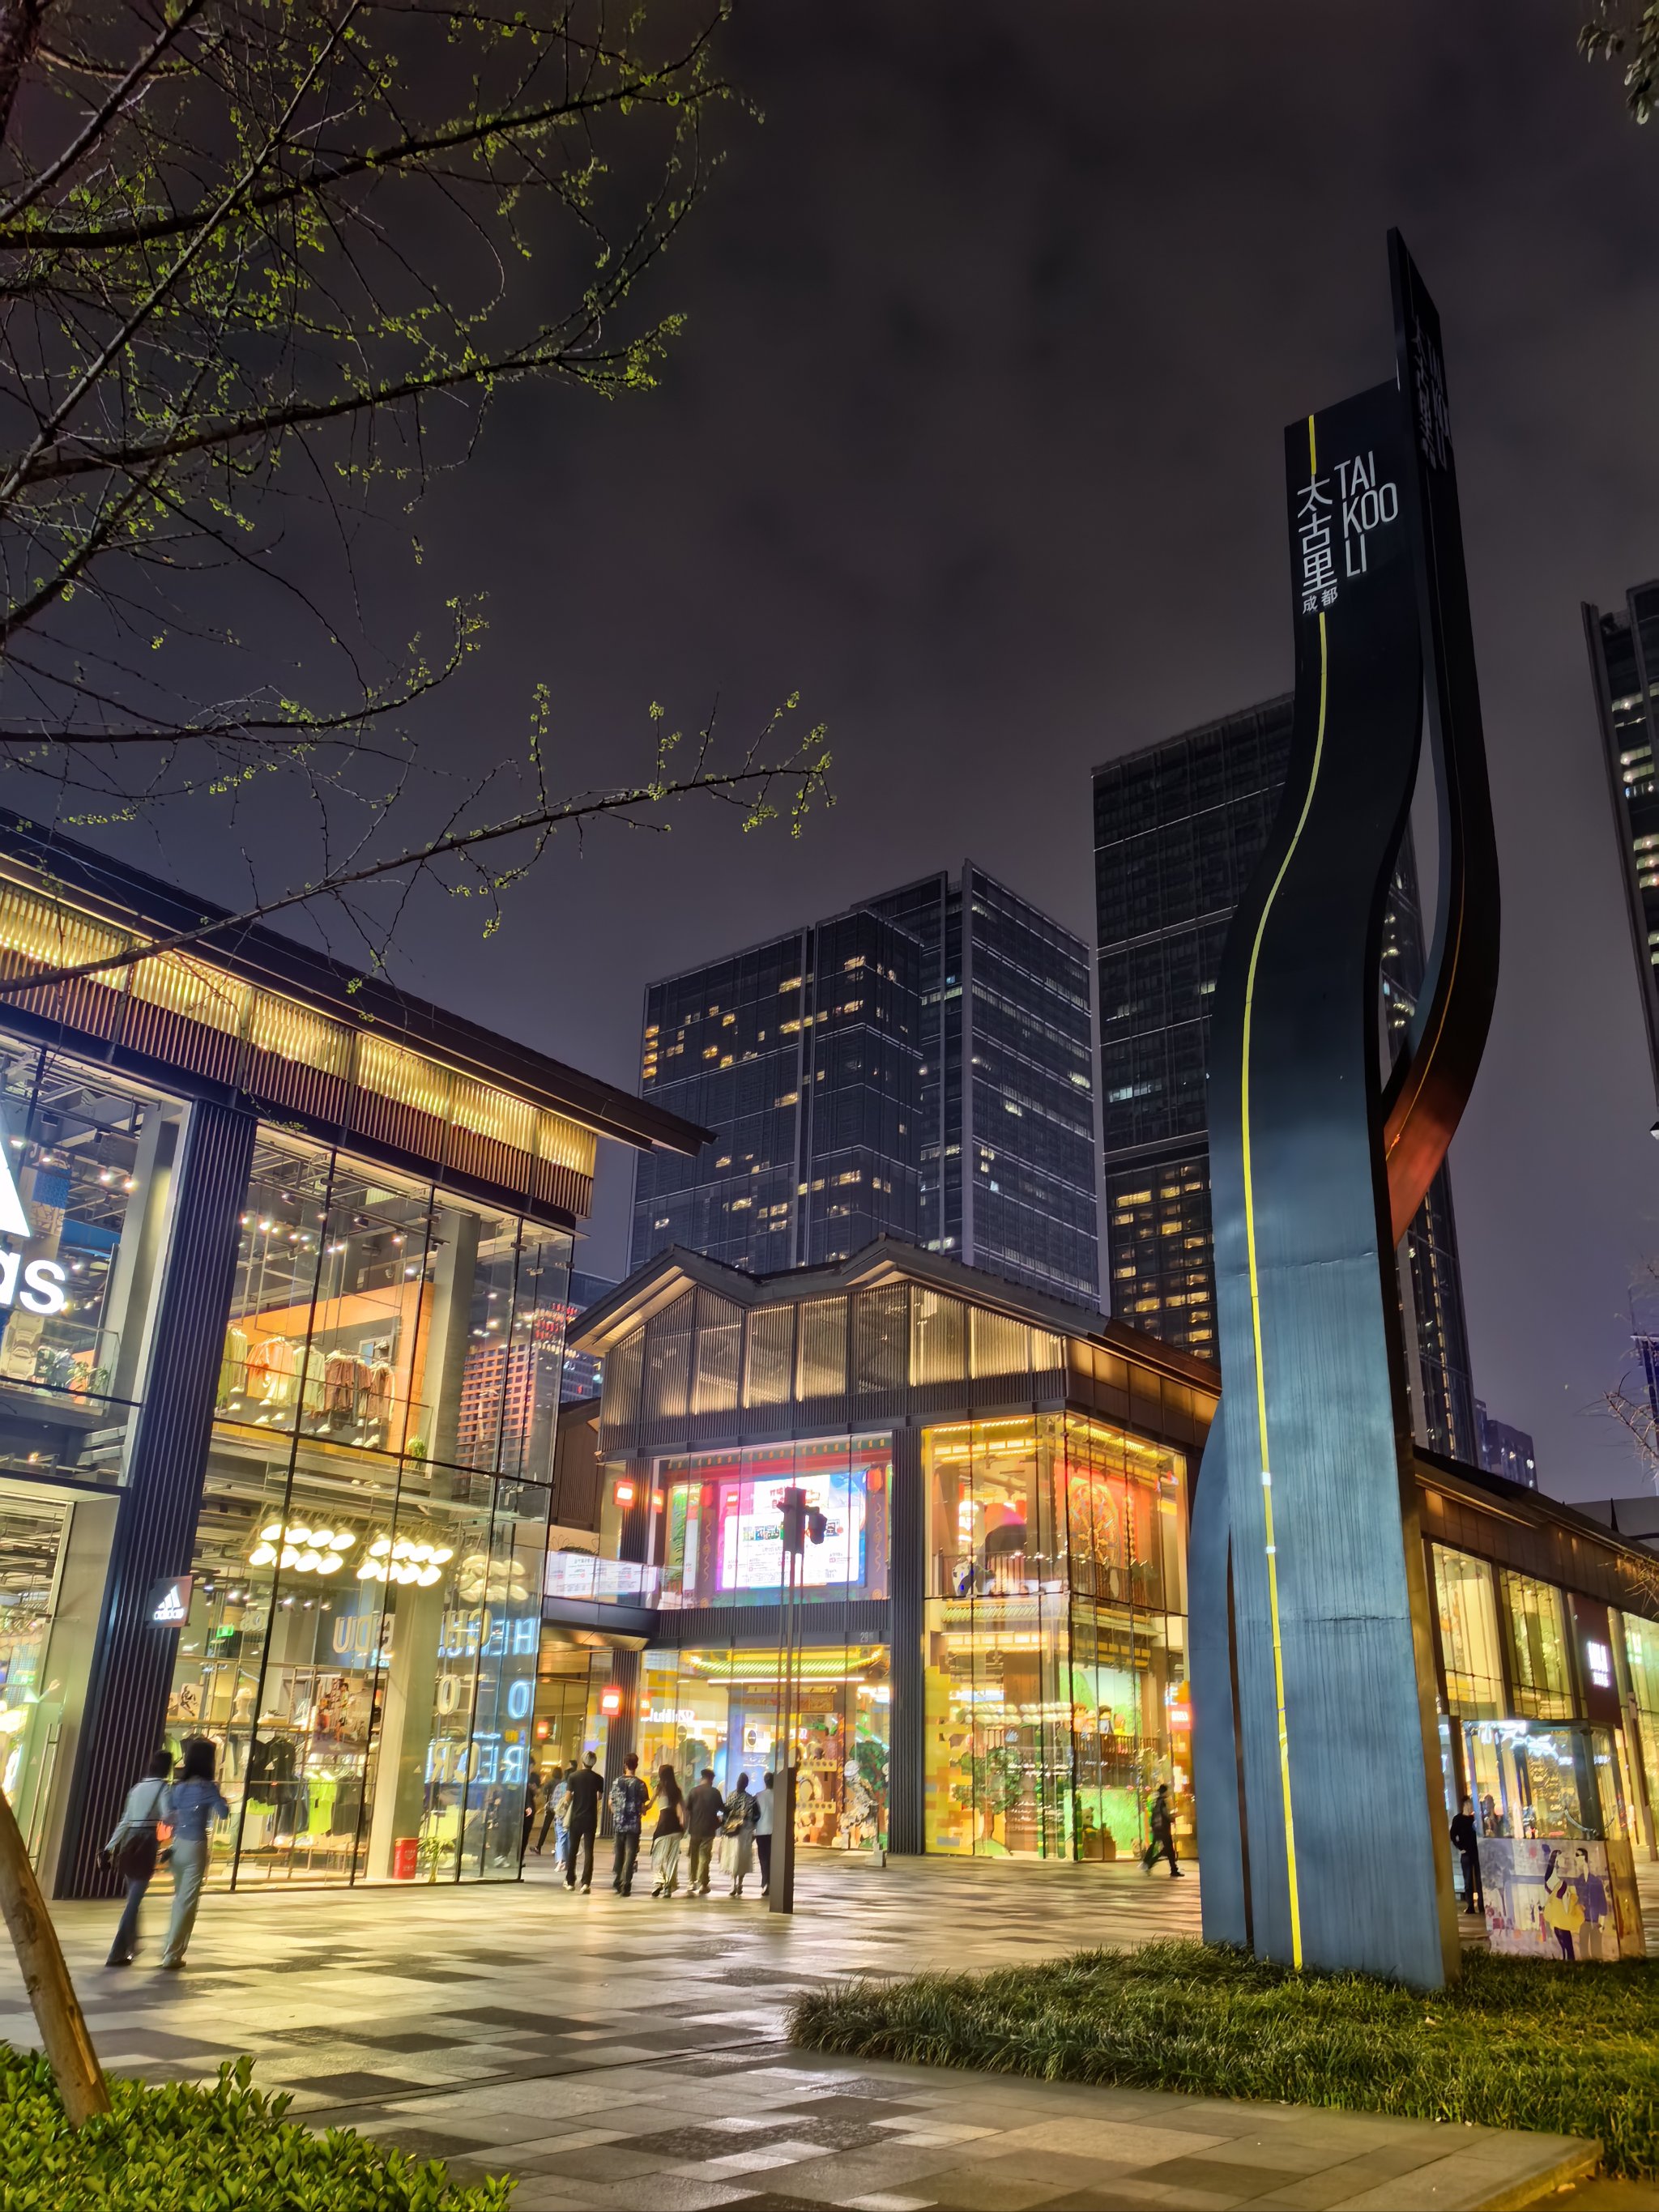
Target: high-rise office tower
1505,1450
921,1066
1624,652
1178,828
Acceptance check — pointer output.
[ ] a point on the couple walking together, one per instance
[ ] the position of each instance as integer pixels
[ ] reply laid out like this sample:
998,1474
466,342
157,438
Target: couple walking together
183,1804
694,1821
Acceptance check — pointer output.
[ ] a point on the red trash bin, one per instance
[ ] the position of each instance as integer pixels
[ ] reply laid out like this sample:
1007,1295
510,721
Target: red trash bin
404,1851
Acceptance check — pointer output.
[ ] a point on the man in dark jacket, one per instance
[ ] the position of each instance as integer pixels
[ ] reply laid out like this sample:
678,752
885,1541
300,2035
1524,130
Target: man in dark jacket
705,1809
628,1796
1162,1824
583,1820
1467,1843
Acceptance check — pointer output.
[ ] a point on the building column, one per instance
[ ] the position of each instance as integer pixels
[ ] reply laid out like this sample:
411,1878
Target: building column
907,1583
155,1519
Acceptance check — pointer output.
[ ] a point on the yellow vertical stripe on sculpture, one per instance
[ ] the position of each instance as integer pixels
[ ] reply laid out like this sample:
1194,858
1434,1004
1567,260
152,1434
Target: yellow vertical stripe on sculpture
1255,1286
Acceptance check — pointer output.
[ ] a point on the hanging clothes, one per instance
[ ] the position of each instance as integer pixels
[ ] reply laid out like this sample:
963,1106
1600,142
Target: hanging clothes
376,1392
341,1379
272,1366
233,1366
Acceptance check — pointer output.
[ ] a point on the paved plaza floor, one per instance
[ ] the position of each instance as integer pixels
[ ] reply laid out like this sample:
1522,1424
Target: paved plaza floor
632,2053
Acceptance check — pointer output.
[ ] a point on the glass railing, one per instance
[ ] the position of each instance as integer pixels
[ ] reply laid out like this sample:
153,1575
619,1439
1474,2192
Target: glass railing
603,1582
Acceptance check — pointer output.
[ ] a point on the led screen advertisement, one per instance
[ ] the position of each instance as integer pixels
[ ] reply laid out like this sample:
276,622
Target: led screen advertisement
719,1518
752,1533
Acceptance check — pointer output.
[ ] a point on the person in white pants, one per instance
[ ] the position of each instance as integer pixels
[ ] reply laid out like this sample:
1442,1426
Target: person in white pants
196,1801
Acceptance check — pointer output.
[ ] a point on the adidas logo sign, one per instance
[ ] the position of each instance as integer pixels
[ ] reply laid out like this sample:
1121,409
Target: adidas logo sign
173,1609
43,1279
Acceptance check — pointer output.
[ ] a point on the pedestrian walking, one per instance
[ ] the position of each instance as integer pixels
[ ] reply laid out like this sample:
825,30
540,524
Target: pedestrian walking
1162,1824
628,1796
531,1798
705,1808
552,1777
582,1822
196,1801
669,1806
134,1850
764,1805
1467,1843
742,1810
561,1814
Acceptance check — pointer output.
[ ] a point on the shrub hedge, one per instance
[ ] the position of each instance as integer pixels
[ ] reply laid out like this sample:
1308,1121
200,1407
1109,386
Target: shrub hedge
1518,2043
181,2148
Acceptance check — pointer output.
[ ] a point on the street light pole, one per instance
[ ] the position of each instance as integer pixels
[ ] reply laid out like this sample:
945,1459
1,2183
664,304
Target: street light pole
780,1888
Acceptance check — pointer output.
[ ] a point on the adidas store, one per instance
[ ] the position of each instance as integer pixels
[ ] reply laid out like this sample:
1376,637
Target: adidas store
284,1264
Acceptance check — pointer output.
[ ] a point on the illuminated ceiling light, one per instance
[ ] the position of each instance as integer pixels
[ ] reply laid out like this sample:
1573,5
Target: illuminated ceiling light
290,1557
441,1553
261,1555
380,1547
427,1577
270,1532
342,1540
331,1563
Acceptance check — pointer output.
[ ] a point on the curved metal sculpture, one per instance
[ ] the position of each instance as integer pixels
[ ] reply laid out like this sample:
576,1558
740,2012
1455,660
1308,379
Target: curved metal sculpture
1315,1747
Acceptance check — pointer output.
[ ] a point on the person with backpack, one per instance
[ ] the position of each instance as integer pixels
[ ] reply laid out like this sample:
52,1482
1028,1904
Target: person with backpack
135,1849
628,1796
197,1800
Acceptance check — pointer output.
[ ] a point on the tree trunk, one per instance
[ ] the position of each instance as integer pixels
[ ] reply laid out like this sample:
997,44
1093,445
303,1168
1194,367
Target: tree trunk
64,2029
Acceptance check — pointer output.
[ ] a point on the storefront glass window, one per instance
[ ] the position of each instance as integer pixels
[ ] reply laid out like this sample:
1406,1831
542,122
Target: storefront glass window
997,1716
365,1624
1468,1607
717,1522
89,1167
1538,1647
34,1674
720,1709
1642,1657
1056,1697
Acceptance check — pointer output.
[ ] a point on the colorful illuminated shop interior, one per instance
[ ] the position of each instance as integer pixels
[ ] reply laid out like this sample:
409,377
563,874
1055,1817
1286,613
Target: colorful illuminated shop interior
87,1167
716,1534
365,1614
720,1707
1055,1641
986,1470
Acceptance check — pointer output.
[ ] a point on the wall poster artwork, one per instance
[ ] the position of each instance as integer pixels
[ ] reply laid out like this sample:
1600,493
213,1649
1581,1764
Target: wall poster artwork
1558,1899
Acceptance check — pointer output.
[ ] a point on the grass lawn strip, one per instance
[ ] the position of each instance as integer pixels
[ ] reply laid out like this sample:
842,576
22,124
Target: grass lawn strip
1519,2044
179,2148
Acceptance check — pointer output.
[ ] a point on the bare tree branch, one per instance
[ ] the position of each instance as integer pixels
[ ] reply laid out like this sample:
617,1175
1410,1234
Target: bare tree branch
263,265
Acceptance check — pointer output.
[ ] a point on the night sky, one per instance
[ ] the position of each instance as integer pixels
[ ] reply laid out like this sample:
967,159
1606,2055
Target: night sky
974,439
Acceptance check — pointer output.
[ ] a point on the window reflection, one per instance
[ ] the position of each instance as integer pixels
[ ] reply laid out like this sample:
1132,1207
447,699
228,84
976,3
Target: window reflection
363,1634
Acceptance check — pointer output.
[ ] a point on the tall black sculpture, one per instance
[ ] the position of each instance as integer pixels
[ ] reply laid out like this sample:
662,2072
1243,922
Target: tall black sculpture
1316,1734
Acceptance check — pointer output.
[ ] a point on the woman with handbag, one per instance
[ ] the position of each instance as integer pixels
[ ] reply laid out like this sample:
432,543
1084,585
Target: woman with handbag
195,1801
741,1811
132,1851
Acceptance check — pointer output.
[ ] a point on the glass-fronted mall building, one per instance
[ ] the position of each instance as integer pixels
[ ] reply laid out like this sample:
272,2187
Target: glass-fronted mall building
283,1269
994,1625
